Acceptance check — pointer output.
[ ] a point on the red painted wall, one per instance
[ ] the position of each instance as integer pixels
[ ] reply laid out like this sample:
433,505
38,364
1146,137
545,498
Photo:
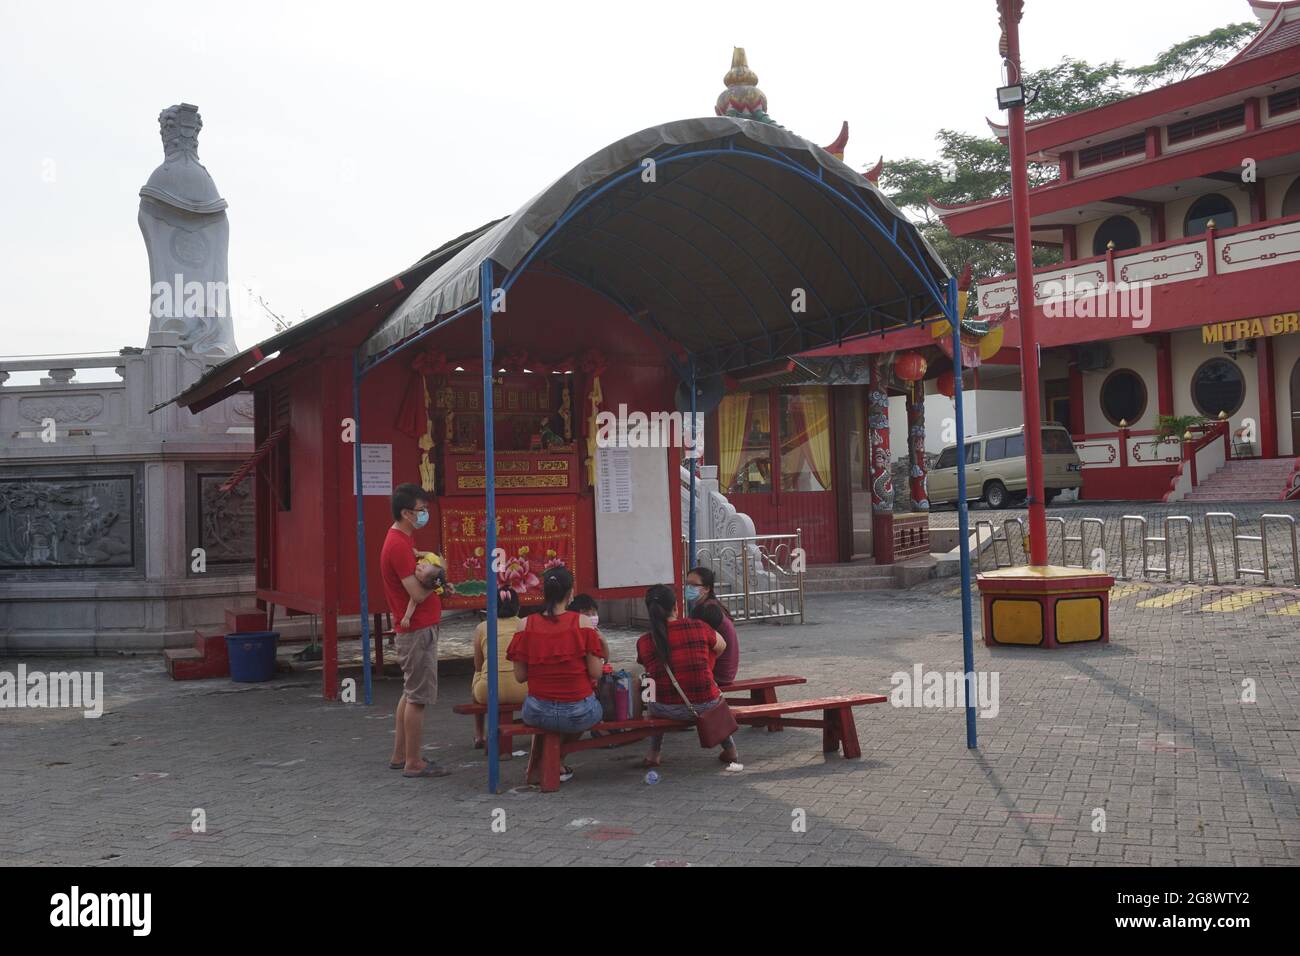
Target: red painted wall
314,546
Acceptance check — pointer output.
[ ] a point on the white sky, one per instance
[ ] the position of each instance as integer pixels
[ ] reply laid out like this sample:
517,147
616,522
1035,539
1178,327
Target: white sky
350,139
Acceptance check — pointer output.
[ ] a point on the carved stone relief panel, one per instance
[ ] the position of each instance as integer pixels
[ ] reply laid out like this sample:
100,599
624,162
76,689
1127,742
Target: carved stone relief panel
65,521
222,523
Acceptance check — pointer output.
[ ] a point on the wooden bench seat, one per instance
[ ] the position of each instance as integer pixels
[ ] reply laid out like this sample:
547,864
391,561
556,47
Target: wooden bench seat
839,733
761,690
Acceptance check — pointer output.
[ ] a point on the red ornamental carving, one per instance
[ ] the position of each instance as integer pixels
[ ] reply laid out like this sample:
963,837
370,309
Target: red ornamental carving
946,384
909,367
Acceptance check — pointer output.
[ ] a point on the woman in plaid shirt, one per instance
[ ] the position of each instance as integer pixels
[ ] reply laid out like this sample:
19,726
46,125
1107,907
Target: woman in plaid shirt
690,647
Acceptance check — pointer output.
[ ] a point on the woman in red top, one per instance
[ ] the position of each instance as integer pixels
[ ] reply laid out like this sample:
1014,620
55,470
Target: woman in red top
688,646
559,658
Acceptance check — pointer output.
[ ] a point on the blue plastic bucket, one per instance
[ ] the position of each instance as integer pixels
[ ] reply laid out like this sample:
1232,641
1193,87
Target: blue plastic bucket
252,655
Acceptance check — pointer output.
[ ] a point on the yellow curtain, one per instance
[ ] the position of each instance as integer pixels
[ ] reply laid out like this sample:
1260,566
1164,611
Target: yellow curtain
817,424
733,422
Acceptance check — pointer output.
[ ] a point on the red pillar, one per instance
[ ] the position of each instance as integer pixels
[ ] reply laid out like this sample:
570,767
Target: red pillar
1164,374
1011,11
882,485
1267,399
1069,242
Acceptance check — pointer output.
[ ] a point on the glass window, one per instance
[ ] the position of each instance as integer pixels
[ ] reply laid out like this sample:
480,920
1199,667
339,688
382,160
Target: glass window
1120,230
1210,206
1218,386
804,429
996,450
1057,442
1123,396
947,458
973,454
1016,446
744,443
1291,201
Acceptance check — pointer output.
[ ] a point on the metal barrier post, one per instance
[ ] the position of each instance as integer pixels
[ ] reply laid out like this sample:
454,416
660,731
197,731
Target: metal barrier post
798,537
1209,543
1101,539
1289,520
1171,520
1263,548
1123,542
1006,533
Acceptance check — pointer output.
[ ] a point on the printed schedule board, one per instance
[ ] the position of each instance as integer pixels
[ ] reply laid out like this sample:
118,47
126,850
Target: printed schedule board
635,534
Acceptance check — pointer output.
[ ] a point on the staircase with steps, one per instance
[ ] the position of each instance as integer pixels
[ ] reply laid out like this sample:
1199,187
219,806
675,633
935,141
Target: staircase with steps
1246,479
208,658
860,575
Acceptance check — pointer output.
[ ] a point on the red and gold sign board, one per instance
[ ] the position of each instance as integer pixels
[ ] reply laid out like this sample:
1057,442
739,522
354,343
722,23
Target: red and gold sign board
532,539
532,473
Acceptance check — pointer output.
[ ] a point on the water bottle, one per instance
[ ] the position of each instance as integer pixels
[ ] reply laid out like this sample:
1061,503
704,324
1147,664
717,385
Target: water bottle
652,777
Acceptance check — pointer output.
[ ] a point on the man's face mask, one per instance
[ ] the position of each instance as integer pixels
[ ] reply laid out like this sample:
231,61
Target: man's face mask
421,518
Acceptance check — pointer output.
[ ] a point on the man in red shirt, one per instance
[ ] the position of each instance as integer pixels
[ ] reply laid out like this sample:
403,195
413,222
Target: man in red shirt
417,644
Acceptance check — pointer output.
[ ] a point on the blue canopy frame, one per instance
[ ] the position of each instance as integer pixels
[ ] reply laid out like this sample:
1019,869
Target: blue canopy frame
857,215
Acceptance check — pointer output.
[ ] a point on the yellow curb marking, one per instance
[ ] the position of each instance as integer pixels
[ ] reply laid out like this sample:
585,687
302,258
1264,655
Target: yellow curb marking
1124,590
1291,610
1171,598
1238,601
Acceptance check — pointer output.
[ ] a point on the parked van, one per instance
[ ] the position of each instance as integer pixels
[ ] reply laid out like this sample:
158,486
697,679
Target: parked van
995,467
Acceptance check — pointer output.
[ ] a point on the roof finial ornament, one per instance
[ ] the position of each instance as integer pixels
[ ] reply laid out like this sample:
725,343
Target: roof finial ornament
742,97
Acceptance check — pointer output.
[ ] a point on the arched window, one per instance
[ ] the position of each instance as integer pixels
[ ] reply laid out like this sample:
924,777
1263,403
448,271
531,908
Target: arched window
1214,206
1291,201
1218,386
1123,397
1120,230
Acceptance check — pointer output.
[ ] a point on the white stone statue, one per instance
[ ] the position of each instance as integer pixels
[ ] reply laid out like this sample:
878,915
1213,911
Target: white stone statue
187,236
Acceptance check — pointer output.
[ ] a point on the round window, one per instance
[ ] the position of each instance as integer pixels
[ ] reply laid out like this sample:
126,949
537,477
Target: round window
1210,206
1218,386
1120,230
1123,397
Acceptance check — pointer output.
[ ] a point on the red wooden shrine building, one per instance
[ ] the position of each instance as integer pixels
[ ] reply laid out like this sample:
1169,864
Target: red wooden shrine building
667,256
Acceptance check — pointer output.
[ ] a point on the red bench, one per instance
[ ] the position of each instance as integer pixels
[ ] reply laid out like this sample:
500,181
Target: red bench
839,733
761,690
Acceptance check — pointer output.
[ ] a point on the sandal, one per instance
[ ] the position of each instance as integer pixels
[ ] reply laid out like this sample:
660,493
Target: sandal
399,765
431,769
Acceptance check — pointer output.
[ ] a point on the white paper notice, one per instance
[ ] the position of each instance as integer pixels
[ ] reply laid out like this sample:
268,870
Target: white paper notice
614,489
376,470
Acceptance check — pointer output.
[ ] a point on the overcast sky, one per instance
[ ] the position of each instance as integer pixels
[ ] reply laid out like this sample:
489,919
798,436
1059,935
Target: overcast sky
350,139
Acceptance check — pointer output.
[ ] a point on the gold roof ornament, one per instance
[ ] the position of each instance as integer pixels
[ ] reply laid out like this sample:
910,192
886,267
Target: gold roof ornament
742,97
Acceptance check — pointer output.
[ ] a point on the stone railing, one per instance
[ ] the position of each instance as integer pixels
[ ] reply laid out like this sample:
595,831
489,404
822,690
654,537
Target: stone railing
716,519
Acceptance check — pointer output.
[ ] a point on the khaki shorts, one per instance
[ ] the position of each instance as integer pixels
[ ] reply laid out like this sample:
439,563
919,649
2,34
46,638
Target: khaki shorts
417,652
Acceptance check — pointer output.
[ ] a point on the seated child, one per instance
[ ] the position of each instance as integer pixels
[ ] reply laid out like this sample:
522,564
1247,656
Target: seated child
431,576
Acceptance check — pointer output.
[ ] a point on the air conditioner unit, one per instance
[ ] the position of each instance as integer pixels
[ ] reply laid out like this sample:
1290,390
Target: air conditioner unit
1239,346
1093,357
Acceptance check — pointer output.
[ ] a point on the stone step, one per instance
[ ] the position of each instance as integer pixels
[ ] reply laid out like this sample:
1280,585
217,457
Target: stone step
843,586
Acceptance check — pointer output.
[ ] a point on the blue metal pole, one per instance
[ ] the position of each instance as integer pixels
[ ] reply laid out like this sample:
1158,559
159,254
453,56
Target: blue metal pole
963,519
361,525
691,463
485,283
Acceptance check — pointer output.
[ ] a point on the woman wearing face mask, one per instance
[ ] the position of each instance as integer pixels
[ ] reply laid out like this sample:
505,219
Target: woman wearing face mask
699,594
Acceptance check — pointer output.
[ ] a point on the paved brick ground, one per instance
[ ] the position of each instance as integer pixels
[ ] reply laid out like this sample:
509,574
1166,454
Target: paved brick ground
1152,730
1281,560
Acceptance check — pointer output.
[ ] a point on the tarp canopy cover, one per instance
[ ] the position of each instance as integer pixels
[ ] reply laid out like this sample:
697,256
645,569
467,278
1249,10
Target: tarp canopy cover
741,243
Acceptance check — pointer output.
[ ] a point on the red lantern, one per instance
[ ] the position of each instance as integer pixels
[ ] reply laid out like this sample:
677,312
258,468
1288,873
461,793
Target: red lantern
909,367
946,384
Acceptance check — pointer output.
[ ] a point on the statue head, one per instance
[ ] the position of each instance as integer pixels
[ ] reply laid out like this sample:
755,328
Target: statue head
179,127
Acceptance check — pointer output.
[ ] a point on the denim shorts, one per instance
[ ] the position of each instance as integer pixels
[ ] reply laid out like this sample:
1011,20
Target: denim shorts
562,716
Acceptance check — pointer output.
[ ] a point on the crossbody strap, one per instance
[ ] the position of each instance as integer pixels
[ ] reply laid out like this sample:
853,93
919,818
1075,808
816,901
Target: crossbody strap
681,693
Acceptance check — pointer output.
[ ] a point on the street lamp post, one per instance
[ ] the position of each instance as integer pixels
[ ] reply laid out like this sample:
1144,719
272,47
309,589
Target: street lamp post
1010,12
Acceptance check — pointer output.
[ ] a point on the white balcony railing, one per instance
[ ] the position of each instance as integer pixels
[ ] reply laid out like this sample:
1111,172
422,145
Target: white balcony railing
1255,246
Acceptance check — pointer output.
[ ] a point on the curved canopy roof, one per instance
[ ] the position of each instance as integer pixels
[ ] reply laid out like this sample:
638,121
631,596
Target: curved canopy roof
738,241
